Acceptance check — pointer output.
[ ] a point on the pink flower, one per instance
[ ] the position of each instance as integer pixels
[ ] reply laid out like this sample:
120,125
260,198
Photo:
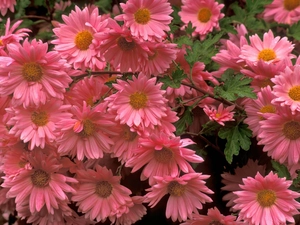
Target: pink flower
145,19
186,194
203,14
34,75
87,133
7,4
162,155
76,38
286,12
287,88
280,135
266,200
270,50
214,217
138,101
221,114
99,194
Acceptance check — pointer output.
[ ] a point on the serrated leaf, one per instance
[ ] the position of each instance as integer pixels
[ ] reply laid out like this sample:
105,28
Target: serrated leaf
20,8
189,29
184,121
183,40
237,137
210,128
281,169
175,80
235,86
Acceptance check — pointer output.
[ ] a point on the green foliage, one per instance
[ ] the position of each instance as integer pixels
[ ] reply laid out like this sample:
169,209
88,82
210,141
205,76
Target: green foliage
237,137
210,128
281,169
183,40
104,5
39,2
235,86
294,31
20,7
190,29
175,80
184,121
176,21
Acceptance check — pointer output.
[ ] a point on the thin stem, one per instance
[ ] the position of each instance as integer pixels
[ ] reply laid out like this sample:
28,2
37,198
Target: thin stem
33,17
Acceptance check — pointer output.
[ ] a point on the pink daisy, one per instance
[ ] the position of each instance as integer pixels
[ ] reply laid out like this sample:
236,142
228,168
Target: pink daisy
145,19
232,182
34,75
43,185
214,217
280,135
266,200
162,155
99,194
258,109
7,4
282,11
87,133
76,38
287,88
38,125
221,114
270,50
123,50
186,194
138,101
203,14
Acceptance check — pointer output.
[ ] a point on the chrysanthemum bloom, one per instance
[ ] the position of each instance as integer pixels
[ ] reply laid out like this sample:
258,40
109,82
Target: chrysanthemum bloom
11,35
232,181
34,75
221,114
266,200
204,15
100,194
282,11
122,50
287,88
87,133
7,4
270,50
145,19
213,217
163,155
257,109
43,185
138,101
280,135
38,125
187,194
76,38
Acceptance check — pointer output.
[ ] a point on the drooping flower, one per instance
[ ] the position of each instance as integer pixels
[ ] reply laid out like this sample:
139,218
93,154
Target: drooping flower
266,200
162,155
204,15
282,11
76,38
34,75
7,4
186,194
99,194
138,101
221,114
145,19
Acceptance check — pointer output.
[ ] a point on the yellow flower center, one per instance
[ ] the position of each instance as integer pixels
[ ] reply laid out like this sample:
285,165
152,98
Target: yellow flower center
39,118
267,109
83,39
266,198
291,130
22,163
265,83
90,101
204,15
40,178
164,155
142,16
103,189
88,128
128,135
138,100
1,42
294,93
125,45
266,54
291,4
32,71
175,189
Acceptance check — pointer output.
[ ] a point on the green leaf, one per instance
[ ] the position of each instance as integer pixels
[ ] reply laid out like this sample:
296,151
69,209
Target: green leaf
235,86
237,137
39,2
184,121
281,169
294,31
210,128
175,80
20,7
189,28
104,5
